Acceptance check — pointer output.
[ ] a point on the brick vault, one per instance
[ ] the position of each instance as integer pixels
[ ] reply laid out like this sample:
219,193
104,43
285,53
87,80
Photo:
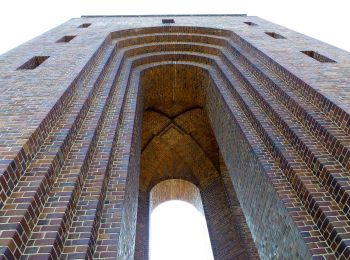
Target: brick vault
96,112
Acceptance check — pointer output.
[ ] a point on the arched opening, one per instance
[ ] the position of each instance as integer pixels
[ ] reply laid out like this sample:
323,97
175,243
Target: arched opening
168,224
178,228
178,142
174,78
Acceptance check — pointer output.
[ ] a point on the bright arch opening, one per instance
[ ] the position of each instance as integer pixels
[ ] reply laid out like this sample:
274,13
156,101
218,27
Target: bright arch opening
178,228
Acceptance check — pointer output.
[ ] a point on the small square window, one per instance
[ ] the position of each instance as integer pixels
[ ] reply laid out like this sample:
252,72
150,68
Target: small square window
318,57
275,35
250,23
167,21
84,25
33,63
66,38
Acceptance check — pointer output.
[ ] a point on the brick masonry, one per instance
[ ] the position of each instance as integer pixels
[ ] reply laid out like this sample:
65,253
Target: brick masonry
260,124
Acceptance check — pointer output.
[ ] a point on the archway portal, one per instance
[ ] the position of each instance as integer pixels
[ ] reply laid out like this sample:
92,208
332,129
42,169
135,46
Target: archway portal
178,143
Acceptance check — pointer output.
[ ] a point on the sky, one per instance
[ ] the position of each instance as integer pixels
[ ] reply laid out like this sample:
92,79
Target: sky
328,21
167,226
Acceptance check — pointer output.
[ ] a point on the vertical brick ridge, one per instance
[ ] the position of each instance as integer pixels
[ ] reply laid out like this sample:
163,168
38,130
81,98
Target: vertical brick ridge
143,219
288,197
116,235
324,166
319,124
223,228
303,181
60,207
334,113
83,232
132,147
300,175
24,205
239,219
9,176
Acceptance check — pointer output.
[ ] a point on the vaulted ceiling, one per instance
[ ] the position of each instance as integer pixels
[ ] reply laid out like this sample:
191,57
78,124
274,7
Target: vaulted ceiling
177,140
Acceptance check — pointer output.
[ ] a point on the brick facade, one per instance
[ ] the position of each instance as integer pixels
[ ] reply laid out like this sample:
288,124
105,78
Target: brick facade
99,110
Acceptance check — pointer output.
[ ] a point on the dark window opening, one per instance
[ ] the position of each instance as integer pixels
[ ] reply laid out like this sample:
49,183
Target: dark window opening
250,23
33,63
317,56
66,38
275,35
84,25
167,21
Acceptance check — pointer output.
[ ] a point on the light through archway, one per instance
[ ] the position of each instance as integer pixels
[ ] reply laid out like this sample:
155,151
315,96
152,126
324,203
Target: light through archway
179,231
178,227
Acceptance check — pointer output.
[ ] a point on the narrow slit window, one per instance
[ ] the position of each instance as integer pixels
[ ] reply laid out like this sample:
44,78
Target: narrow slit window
33,63
275,35
318,57
250,23
84,25
66,38
168,21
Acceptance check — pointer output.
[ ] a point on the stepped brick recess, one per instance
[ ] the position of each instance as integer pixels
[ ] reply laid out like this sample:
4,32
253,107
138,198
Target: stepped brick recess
255,115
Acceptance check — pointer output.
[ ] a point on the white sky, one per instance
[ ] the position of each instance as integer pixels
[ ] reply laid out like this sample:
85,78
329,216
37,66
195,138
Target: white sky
179,232
21,20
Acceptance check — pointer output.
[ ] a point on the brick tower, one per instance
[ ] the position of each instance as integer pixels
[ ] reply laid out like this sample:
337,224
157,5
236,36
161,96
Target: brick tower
97,112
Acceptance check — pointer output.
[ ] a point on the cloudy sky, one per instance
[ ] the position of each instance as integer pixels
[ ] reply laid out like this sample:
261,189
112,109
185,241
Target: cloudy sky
21,20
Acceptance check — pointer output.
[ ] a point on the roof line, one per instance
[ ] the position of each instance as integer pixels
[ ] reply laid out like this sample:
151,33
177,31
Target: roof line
160,15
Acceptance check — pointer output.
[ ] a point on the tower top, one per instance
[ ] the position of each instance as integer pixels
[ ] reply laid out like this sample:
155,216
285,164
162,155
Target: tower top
159,15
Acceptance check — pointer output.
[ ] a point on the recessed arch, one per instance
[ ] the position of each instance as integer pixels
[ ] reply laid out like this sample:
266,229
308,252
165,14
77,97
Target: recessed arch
217,56
189,162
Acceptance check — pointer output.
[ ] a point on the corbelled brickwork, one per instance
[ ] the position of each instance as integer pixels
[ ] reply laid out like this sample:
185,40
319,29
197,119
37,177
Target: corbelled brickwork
98,111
